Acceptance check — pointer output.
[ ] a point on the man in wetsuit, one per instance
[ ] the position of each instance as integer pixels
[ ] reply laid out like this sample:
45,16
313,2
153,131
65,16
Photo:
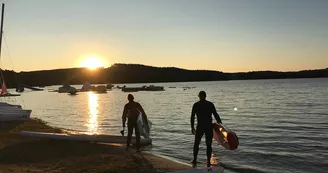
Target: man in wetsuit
131,111
204,110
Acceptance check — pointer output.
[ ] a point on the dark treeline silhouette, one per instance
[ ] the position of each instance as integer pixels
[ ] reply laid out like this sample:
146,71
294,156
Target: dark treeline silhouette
135,73
280,75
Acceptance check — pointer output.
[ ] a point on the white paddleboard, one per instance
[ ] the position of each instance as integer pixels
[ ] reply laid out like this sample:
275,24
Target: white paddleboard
144,129
82,137
199,170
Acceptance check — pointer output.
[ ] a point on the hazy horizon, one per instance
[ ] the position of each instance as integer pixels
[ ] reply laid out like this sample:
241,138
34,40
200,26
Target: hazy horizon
228,36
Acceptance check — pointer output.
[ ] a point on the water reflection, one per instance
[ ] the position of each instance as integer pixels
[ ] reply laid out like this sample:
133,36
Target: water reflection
93,113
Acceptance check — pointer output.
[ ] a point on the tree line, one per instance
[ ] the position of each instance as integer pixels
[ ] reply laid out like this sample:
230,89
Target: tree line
136,73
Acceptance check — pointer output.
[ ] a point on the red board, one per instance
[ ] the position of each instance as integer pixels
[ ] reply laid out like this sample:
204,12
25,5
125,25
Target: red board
225,137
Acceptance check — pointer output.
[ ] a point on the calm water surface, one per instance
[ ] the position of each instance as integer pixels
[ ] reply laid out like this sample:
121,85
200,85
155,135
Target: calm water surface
282,124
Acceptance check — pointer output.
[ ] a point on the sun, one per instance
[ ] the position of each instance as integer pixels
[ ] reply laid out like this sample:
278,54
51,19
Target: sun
92,63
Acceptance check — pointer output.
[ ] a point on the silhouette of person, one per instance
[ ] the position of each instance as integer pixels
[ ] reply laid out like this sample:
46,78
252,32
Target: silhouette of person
204,110
131,111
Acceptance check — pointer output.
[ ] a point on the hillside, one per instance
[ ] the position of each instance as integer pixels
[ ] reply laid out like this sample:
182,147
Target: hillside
135,73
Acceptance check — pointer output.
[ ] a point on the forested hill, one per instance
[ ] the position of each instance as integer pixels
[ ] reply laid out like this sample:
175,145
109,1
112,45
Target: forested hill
135,73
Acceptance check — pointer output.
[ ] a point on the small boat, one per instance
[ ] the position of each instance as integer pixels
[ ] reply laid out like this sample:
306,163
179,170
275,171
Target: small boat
143,88
72,91
64,89
109,86
86,87
5,93
131,89
100,89
9,112
153,88
20,89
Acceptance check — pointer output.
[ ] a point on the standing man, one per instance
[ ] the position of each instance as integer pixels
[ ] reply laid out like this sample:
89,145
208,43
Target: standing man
204,110
132,111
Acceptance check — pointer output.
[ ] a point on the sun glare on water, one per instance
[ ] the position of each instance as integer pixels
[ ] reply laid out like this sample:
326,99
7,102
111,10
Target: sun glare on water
92,63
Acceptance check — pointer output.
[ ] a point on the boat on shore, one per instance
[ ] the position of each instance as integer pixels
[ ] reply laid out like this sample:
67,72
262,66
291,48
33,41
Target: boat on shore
9,112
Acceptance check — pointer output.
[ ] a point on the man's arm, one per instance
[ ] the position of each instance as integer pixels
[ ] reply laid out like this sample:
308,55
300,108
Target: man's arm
125,111
216,115
192,119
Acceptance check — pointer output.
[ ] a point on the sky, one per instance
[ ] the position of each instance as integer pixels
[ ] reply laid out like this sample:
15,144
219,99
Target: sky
224,35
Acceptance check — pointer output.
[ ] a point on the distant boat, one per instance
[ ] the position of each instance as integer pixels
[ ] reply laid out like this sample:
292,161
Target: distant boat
5,93
109,86
100,89
64,89
153,88
72,91
20,88
86,87
143,88
131,89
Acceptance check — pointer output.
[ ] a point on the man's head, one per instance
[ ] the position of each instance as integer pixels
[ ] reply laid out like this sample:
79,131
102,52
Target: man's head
202,95
130,97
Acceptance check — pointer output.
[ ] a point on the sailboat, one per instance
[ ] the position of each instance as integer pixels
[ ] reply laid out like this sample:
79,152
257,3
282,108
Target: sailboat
4,92
9,112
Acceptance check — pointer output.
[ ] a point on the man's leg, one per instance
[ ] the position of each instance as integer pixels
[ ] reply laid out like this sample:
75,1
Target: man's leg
198,138
130,131
209,137
137,137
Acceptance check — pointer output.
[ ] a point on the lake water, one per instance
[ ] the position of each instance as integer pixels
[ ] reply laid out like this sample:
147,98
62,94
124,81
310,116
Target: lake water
282,125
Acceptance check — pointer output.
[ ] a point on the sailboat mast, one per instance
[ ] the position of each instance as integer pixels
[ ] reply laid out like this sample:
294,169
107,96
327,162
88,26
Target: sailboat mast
1,31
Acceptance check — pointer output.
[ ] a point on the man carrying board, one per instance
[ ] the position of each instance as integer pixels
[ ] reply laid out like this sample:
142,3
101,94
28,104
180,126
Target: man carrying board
204,110
132,111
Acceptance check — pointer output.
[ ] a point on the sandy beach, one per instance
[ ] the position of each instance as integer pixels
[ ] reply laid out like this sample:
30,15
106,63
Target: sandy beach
24,154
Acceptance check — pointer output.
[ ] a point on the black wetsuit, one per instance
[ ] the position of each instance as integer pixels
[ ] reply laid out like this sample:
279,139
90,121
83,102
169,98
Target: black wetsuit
204,110
132,111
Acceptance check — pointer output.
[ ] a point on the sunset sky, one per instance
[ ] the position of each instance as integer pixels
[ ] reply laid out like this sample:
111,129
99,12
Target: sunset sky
225,35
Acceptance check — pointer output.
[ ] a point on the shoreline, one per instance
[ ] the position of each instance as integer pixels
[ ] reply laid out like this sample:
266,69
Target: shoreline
27,154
